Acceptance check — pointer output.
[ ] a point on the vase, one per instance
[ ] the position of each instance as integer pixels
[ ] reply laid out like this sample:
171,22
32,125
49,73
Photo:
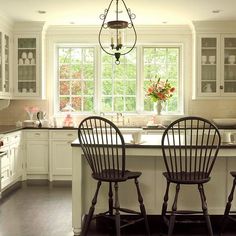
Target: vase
159,107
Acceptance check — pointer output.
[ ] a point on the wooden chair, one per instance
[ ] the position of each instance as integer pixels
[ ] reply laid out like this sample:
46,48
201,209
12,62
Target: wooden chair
228,214
190,146
104,148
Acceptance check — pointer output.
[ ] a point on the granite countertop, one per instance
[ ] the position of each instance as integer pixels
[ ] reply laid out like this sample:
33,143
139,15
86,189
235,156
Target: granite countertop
4,129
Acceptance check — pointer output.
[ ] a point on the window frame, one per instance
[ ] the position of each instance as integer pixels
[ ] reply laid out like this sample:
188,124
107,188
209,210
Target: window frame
140,94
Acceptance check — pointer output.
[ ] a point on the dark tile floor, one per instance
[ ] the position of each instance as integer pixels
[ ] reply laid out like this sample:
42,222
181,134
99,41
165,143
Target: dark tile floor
46,211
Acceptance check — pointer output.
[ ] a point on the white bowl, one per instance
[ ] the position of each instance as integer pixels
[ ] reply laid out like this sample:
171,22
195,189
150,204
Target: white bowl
225,121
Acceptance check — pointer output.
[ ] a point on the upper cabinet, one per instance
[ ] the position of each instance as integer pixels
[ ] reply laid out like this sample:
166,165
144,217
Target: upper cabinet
215,75
28,55
5,65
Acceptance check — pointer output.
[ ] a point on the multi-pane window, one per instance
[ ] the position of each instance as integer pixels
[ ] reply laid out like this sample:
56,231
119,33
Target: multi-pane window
118,86
118,83
164,63
76,78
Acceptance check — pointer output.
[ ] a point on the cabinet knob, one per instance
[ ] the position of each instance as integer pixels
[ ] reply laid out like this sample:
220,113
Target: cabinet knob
37,134
221,87
69,134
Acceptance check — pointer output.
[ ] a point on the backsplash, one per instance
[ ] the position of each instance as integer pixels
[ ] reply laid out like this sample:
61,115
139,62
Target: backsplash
206,108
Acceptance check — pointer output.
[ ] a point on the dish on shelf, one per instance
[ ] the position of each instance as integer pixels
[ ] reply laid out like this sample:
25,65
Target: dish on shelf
225,121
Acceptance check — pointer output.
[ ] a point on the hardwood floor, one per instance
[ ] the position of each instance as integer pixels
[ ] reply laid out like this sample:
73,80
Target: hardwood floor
46,211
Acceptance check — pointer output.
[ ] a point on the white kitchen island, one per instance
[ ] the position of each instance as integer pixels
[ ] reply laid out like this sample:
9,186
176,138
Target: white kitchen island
147,158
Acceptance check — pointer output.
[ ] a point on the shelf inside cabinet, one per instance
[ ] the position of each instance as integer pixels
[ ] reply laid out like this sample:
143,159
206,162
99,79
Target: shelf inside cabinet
208,48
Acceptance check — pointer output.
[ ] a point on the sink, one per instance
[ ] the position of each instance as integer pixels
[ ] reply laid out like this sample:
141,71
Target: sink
225,121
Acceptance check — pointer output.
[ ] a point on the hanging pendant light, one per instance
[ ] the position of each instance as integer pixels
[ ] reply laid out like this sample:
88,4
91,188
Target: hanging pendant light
115,35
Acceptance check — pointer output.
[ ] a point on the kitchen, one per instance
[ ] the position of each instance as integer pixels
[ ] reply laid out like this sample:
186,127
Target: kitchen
185,35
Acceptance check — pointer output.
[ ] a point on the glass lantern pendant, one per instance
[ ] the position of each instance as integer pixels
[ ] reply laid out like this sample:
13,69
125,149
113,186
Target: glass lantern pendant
117,37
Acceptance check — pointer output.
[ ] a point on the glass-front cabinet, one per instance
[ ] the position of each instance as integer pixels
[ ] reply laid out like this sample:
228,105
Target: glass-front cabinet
216,70
27,72
4,65
229,65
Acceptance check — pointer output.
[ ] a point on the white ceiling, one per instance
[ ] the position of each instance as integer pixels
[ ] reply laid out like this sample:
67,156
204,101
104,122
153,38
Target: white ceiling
148,12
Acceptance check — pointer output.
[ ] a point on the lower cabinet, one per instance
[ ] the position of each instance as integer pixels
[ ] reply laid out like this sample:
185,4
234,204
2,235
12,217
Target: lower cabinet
48,153
61,154
36,153
11,162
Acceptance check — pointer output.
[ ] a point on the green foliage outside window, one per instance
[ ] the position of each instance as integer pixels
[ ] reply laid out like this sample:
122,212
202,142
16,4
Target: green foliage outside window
118,92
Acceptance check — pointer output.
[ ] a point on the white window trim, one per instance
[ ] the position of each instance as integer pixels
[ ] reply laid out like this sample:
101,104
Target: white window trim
139,85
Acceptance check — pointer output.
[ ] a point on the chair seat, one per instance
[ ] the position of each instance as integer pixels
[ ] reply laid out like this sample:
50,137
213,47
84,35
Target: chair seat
187,178
233,173
115,176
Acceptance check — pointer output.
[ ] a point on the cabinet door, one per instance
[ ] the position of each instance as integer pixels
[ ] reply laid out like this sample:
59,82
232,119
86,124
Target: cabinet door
229,65
15,160
61,157
1,64
6,64
208,66
27,71
5,169
37,157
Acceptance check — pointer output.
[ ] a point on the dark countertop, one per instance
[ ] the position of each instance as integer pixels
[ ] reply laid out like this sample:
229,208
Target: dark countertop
4,129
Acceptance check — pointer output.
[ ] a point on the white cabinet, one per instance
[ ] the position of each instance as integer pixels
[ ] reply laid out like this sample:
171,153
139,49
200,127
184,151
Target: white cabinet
36,153
4,65
28,55
61,154
11,163
215,50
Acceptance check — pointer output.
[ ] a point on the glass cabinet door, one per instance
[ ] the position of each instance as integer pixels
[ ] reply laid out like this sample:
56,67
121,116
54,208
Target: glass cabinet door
6,46
27,81
208,82
1,63
229,65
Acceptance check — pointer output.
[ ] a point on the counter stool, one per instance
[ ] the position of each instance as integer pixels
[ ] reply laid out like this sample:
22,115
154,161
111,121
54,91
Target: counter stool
104,149
190,146
229,214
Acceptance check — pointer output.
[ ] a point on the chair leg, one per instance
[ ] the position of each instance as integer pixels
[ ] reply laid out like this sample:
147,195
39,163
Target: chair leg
89,217
228,207
174,209
117,213
110,201
142,207
204,209
164,207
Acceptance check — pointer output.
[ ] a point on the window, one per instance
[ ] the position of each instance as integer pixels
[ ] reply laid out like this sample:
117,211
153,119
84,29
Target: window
116,88
164,63
76,78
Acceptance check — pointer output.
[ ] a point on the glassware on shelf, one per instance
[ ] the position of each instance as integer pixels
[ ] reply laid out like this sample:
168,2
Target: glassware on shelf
32,61
23,55
204,59
231,59
212,59
30,55
21,62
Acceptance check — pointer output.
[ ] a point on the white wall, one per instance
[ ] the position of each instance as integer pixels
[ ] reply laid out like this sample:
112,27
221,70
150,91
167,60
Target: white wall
146,35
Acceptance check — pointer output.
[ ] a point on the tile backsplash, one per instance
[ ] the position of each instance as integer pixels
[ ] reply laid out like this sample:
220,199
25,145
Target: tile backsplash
205,108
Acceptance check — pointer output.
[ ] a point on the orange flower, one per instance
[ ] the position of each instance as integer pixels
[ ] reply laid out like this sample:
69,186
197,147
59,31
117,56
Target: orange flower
160,90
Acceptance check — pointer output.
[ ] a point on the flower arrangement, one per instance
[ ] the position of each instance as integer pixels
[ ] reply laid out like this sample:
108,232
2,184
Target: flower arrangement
30,111
160,90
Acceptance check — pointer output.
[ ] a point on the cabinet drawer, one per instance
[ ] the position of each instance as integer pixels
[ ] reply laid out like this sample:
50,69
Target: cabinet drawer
36,135
65,135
